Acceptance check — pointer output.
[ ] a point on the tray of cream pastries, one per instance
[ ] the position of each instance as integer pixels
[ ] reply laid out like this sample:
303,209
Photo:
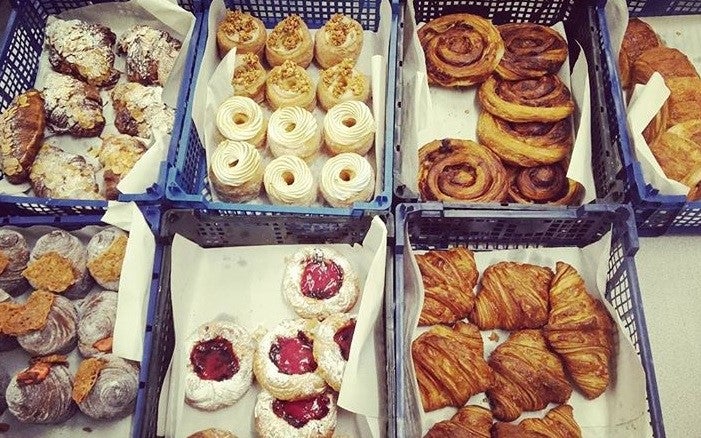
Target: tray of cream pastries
292,116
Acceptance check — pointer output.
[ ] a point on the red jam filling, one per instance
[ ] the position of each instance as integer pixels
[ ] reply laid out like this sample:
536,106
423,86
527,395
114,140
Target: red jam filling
344,337
321,279
293,355
214,359
297,413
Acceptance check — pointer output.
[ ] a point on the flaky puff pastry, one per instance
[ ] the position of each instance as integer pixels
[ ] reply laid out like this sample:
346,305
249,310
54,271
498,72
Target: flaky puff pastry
450,366
557,423
668,62
531,51
342,83
679,153
290,85
242,31
682,105
581,331
512,296
527,376
469,422
290,40
546,184
340,38
249,77
638,38
460,49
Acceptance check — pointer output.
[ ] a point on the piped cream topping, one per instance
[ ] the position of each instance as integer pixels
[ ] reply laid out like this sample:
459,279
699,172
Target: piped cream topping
292,127
289,179
239,118
346,175
348,122
235,163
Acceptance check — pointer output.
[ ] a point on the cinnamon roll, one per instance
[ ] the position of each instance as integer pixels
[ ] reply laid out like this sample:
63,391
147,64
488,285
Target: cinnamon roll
59,332
668,62
96,316
236,171
249,77
349,127
294,131
307,417
332,343
106,387
525,144
545,99
289,181
4,382
346,179
531,51
243,31
460,49
341,83
638,38
340,38
290,85
461,170
14,255
290,40
241,119
547,184
106,251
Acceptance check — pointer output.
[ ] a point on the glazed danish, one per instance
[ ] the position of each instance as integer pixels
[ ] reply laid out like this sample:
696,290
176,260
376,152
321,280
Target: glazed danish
242,31
249,77
106,386
241,119
236,171
289,181
342,83
294,131
332,343
531,51
340,38
546,184
347,178
290,40
349,127
14,256
308,417
290,85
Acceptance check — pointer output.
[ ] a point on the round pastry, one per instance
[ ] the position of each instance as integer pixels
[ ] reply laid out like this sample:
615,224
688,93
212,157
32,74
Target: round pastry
106,251
347,178
294,131
220,365
545,99
58,263
638,38
349,127
546,184
460,49
531,51
106,387
668,62
242,31
249,77
14,255
4,382
41,394
290,40
341,83
212,433
289,181
57,333
319,282
236,171
241,119
309,417
290,85
97,314
7,342
284,361
340,38
525,144
332,343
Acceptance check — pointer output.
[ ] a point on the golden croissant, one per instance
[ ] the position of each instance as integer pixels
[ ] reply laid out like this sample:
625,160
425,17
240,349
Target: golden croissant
468,422
527,376
450,366
557,423
581,331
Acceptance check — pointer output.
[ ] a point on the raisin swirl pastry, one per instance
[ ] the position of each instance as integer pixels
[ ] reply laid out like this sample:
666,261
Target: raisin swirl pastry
106,251
58,335
150,53
4,382
62,175
460,49
97,314
290,85
313,416
140,110
41,394
106,387
546,184
14,256
290,40
332,343
531,51
242,31
318,282
341,83
249,77
72,107
340,38
118,154
346,179
21,134
82,50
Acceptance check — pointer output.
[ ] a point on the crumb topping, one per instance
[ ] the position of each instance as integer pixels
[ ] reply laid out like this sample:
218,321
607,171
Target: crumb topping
108,266
238,26
248,72
86,377
51,272
343,78
291,77
288,33
337,29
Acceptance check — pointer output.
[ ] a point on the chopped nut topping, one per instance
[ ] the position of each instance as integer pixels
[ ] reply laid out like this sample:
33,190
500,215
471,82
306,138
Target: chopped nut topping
342,78
291,77
239,26
248,72
108,266
337,29
288,33
51,272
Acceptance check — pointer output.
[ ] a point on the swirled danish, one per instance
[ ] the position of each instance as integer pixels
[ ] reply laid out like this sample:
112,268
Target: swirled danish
96,317
290,40
347,178
340,38
294,131
106,386
290,85
241,119
531,51
240,30
289,181
236,171
58,333
668,62
14,256
349,127
249,77
106,251
341,83
546,184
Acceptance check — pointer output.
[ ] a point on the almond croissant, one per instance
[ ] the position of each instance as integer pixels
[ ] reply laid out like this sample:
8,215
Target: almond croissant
557,423
450,365
527,376
581,331
513,296
468,422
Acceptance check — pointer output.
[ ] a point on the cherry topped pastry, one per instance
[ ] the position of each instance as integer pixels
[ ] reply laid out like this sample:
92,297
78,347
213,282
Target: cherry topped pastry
313,416
332,347
284,362
318,282
219,365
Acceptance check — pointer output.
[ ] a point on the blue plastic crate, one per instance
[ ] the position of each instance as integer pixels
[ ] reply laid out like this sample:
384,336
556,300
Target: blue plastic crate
430,226
655,214
187,184
20,48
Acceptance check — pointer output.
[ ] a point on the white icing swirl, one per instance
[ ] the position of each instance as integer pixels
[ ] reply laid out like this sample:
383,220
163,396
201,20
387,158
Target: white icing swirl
234,163
239,118
293,130
288,180
345,176
348,122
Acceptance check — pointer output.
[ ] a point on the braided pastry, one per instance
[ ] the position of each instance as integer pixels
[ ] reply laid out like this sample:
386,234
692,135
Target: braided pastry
531,51
546,184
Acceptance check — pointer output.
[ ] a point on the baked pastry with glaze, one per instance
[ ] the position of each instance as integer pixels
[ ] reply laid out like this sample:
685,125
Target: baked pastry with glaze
638,38
249,77
340,38
678,151
139,110
118,154
236,171
212,433
332,343
349,127
341,83
14,256
290,85
241,119
242,31
288,180
106,251
294,131
531,51
668,62
96,317
21,134
62,175
290,40
469,422
41,394
72,107
52,326
82,50
150,53
106,386
308,417
557,423
346,179
684,102
460,49
545,184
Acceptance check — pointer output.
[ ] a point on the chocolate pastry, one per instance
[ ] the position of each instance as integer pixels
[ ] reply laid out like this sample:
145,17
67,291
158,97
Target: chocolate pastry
151,54
118,155
72,107
58,334
106,387
62,175
14,255
4,382
106,252
139,110
97,314
21,133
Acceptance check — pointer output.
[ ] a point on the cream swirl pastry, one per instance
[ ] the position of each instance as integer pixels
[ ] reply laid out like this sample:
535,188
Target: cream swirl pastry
347,178
290,85
341,37
332,343
340,83
294,131
14,255
236,171
349,127
307,417
240,118
289,181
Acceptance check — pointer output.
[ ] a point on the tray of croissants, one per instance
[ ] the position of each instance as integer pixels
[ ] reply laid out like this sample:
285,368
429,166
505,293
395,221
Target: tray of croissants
99,118
518,343
492,114
293,115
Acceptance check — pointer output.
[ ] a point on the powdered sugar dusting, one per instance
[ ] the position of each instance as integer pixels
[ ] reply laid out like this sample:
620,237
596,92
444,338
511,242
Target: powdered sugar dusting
151,54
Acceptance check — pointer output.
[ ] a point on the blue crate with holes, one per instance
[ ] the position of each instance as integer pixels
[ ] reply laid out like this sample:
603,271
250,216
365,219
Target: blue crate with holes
656,214
21,46
432,226
188,184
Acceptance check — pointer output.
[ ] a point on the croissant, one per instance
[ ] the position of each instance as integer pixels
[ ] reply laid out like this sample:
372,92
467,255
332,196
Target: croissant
468,422
581,331
557,423
450,366
679,153
639,37
513,296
